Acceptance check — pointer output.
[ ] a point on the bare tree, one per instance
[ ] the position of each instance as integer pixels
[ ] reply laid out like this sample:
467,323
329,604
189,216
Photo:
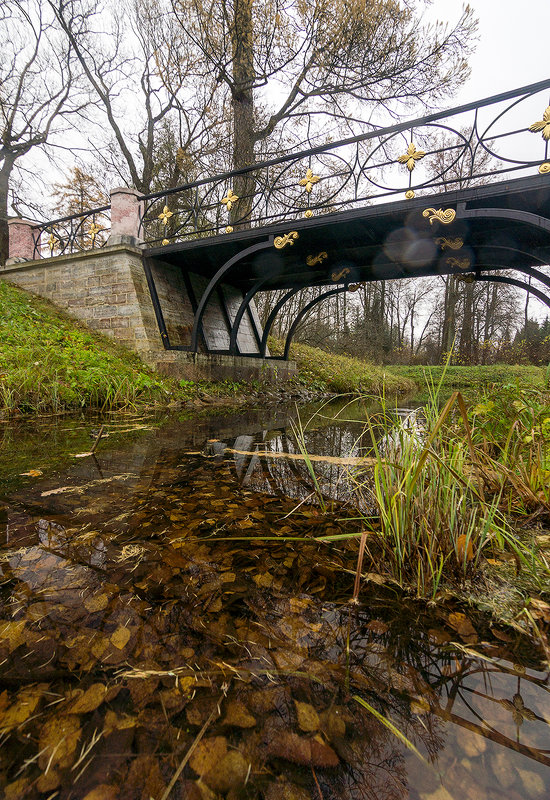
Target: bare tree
284,62
153,92
38,92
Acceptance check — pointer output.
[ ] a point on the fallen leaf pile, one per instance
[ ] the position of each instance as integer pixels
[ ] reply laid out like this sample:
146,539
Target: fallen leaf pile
147,651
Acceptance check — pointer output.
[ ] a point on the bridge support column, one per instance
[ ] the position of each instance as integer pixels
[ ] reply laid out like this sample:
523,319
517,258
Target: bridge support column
22,240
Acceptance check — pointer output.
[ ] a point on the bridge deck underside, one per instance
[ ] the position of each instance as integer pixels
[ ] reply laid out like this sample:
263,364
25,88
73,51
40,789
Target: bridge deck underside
499,226
390,240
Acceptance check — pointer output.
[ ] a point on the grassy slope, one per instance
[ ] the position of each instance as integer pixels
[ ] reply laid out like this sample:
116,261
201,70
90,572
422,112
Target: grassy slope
49,362
473,379
343,374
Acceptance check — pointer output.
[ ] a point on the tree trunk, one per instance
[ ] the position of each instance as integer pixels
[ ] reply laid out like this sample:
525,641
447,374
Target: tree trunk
449,317
467,330
5,173
242,36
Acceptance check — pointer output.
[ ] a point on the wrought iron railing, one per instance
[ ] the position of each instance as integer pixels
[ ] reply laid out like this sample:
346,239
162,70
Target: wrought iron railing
479,142
72,234
506,135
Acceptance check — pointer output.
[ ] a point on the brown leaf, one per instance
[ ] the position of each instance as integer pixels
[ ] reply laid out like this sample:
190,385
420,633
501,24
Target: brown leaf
300,750
91,699
120,637
104,791
96,602
24,706
208,753
377,627
462,625
229,773
539,609
238,716
308,718
58,741
464,549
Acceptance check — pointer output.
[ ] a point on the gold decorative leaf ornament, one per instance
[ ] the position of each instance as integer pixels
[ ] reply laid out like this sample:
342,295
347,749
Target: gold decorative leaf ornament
451,244
411,157
445,216
287,238
318,259
544,168
337,276
229,199
94,230
52,242
309,181
542,125
461,263
165,215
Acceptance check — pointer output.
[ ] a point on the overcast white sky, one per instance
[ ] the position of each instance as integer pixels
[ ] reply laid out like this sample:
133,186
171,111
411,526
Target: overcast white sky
513,48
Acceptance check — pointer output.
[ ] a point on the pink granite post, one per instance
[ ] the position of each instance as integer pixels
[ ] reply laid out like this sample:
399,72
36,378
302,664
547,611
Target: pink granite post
23,236
126,209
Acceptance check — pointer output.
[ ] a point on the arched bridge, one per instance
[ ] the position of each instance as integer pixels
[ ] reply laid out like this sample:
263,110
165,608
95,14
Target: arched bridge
463,192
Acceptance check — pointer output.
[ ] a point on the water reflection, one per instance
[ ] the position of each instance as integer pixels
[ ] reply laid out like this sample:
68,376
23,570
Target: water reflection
137,624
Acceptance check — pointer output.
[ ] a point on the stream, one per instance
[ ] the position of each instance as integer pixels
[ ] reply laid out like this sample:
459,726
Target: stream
164,634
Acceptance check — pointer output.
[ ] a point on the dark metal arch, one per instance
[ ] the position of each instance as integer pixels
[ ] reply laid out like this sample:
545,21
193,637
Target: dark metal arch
271,319
533,220
223,270
513,282
304,311
246,304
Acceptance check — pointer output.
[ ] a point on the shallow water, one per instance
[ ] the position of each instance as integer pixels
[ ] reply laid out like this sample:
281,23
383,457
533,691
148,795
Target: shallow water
152,646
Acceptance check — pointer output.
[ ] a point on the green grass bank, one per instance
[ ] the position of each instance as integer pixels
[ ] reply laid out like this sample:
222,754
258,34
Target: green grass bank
473,380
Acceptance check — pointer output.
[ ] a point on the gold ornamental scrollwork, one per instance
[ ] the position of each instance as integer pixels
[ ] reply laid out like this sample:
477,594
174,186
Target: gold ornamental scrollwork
465,278
450,244
165,242
52,241
229,199
165,215
337,276
544,168
411,157
542,125
445,216
287,238
229,229
461,263
308,214
309,181
353,287
409,194
318,259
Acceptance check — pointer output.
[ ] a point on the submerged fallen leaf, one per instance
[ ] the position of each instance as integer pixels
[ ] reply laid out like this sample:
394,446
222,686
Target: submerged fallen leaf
308,718
96,602
91,699
58,741
301,750
121,637
539,609
462,625
207,754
